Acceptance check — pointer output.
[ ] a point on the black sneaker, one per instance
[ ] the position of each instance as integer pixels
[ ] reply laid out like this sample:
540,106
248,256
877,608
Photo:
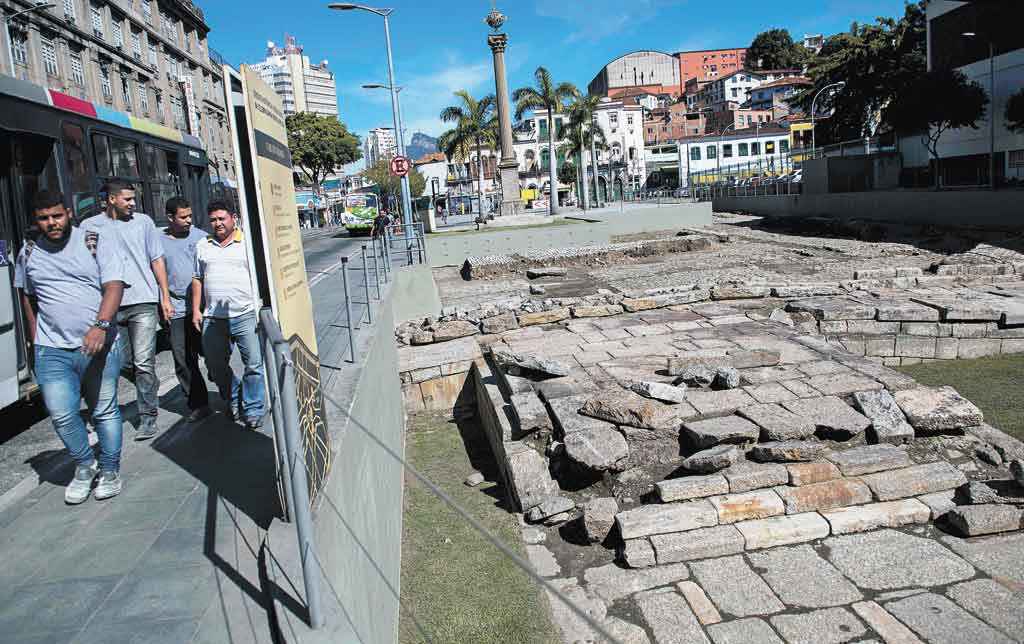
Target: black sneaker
146,430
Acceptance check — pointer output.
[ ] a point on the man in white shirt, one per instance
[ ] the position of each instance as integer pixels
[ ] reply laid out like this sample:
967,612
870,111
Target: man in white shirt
221,278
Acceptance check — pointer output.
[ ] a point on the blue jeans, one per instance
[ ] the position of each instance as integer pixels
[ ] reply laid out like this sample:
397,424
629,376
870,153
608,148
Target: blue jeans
139,324
246,396
65,376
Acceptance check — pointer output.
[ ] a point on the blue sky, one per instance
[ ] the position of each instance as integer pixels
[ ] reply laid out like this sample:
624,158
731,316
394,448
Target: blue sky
440,47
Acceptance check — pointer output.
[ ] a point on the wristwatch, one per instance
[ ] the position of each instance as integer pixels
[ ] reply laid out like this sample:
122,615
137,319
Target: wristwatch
102,324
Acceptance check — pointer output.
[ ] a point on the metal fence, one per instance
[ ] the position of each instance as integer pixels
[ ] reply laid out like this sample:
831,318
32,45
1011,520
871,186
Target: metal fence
780,174
385,253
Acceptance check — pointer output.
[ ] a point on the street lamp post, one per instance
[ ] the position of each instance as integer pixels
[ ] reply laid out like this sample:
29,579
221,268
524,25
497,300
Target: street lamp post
7,29
395,112
992,106
840,85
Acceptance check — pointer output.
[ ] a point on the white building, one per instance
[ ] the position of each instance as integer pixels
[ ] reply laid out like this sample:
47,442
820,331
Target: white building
736,87
380,144
303,87
965,152
760,149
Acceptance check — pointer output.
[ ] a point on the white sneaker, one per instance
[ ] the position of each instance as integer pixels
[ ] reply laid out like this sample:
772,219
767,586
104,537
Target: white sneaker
79,488
109,485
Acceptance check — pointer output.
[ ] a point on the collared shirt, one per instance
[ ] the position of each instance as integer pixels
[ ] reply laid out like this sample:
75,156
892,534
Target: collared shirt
140,240
67,282
180,258
224,271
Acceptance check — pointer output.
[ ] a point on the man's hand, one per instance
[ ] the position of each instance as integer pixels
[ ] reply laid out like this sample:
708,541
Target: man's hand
93,341
197,320
167,308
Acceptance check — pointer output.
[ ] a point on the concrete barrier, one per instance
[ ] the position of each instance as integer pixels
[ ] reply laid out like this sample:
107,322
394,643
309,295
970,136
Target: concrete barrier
414,293
1001,210
452,249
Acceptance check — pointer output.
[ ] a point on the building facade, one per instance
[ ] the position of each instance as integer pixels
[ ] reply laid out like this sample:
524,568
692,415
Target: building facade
380,144
760,150
653,71
710,63
148,59
302,86
965,152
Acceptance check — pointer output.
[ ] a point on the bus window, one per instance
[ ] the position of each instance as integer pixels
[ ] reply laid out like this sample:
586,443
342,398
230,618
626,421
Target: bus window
83,199
101,152
164,178
125,158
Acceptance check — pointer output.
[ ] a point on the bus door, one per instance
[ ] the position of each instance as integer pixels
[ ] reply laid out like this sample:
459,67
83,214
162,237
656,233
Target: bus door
197,190
27,164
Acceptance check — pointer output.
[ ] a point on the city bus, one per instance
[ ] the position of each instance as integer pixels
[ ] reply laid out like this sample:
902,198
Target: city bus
55,141
361,209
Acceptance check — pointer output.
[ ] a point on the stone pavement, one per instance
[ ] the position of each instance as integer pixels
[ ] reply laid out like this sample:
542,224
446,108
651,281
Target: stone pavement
174,558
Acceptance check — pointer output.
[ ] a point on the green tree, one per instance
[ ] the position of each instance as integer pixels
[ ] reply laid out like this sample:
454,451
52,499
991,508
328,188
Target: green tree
939,100
1015,112
567,174
582,131
877,62
547,96
320,145
775,49
390,186
476,128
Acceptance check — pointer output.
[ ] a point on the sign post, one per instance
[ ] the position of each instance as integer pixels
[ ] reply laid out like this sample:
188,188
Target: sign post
400,166
283,264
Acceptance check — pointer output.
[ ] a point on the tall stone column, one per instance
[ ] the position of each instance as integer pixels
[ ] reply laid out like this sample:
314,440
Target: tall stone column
508,167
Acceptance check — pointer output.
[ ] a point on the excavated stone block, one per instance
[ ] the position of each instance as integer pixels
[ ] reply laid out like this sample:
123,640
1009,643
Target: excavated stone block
702,434
691,487
833,418
783,530
649,520
888,424
778,423
788,451
977,520
702,543
758,504
868,459
914,481
937,410
810,473
836,493
746,475
712,460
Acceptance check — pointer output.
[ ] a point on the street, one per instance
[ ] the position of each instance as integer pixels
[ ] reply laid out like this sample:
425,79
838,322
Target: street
28,443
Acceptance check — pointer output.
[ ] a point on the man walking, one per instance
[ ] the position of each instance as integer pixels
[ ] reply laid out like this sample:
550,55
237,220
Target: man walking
146,288
221,277
73,281
179,243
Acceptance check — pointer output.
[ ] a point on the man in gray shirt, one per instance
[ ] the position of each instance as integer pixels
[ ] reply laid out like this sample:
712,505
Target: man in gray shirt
73,281
179,241
146,290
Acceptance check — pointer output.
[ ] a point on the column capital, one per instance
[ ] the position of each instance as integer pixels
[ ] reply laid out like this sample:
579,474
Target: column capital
497,42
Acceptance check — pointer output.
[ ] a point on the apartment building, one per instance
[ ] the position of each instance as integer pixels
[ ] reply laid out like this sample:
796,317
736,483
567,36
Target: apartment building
380,144
302,86
146,58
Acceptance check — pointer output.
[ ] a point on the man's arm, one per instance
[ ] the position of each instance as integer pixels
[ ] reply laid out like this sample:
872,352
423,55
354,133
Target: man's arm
96,337
28,305
196,293
160,273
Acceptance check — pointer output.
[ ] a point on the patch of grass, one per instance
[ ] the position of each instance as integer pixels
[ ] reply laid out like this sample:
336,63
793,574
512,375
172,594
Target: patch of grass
490,228
993,384
458,586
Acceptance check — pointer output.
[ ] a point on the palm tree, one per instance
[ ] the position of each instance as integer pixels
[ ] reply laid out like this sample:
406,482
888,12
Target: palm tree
476,128
584,135
545,95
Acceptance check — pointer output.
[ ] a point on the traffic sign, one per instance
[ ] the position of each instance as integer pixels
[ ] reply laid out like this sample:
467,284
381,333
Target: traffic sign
400,166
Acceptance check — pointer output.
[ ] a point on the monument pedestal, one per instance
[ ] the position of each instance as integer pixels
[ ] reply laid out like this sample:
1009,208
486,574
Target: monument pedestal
511,204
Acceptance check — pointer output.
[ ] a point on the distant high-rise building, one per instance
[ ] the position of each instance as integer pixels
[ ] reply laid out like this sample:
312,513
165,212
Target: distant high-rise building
380,144
303,87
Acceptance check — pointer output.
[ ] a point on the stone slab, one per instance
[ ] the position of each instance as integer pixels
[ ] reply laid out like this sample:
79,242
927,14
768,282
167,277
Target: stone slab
783,530
801,578
937,410
713,459
868,459
531,480
940,621
734,588
745,506
566,416
718,403
914,481
530,414
599,518
833,417
888,424
882,622
750,630
788,451
809,473
702,434
598,448
701,606
702,543
664,519
769,392
573,627
888,514
611,582
993,602
978,520
747,475
939,502
670,619
827,495
825,626
434,355
842,384
627,408
543,561
686,488
638,553
888,560
1009,448
778,423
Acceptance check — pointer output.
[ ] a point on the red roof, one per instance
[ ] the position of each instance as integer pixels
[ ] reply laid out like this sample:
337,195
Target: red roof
782,82
432,157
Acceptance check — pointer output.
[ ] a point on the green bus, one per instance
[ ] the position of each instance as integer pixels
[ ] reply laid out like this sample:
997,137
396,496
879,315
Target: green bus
360,211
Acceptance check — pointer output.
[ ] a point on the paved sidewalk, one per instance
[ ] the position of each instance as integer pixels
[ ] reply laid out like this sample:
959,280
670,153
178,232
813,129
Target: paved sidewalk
174,558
